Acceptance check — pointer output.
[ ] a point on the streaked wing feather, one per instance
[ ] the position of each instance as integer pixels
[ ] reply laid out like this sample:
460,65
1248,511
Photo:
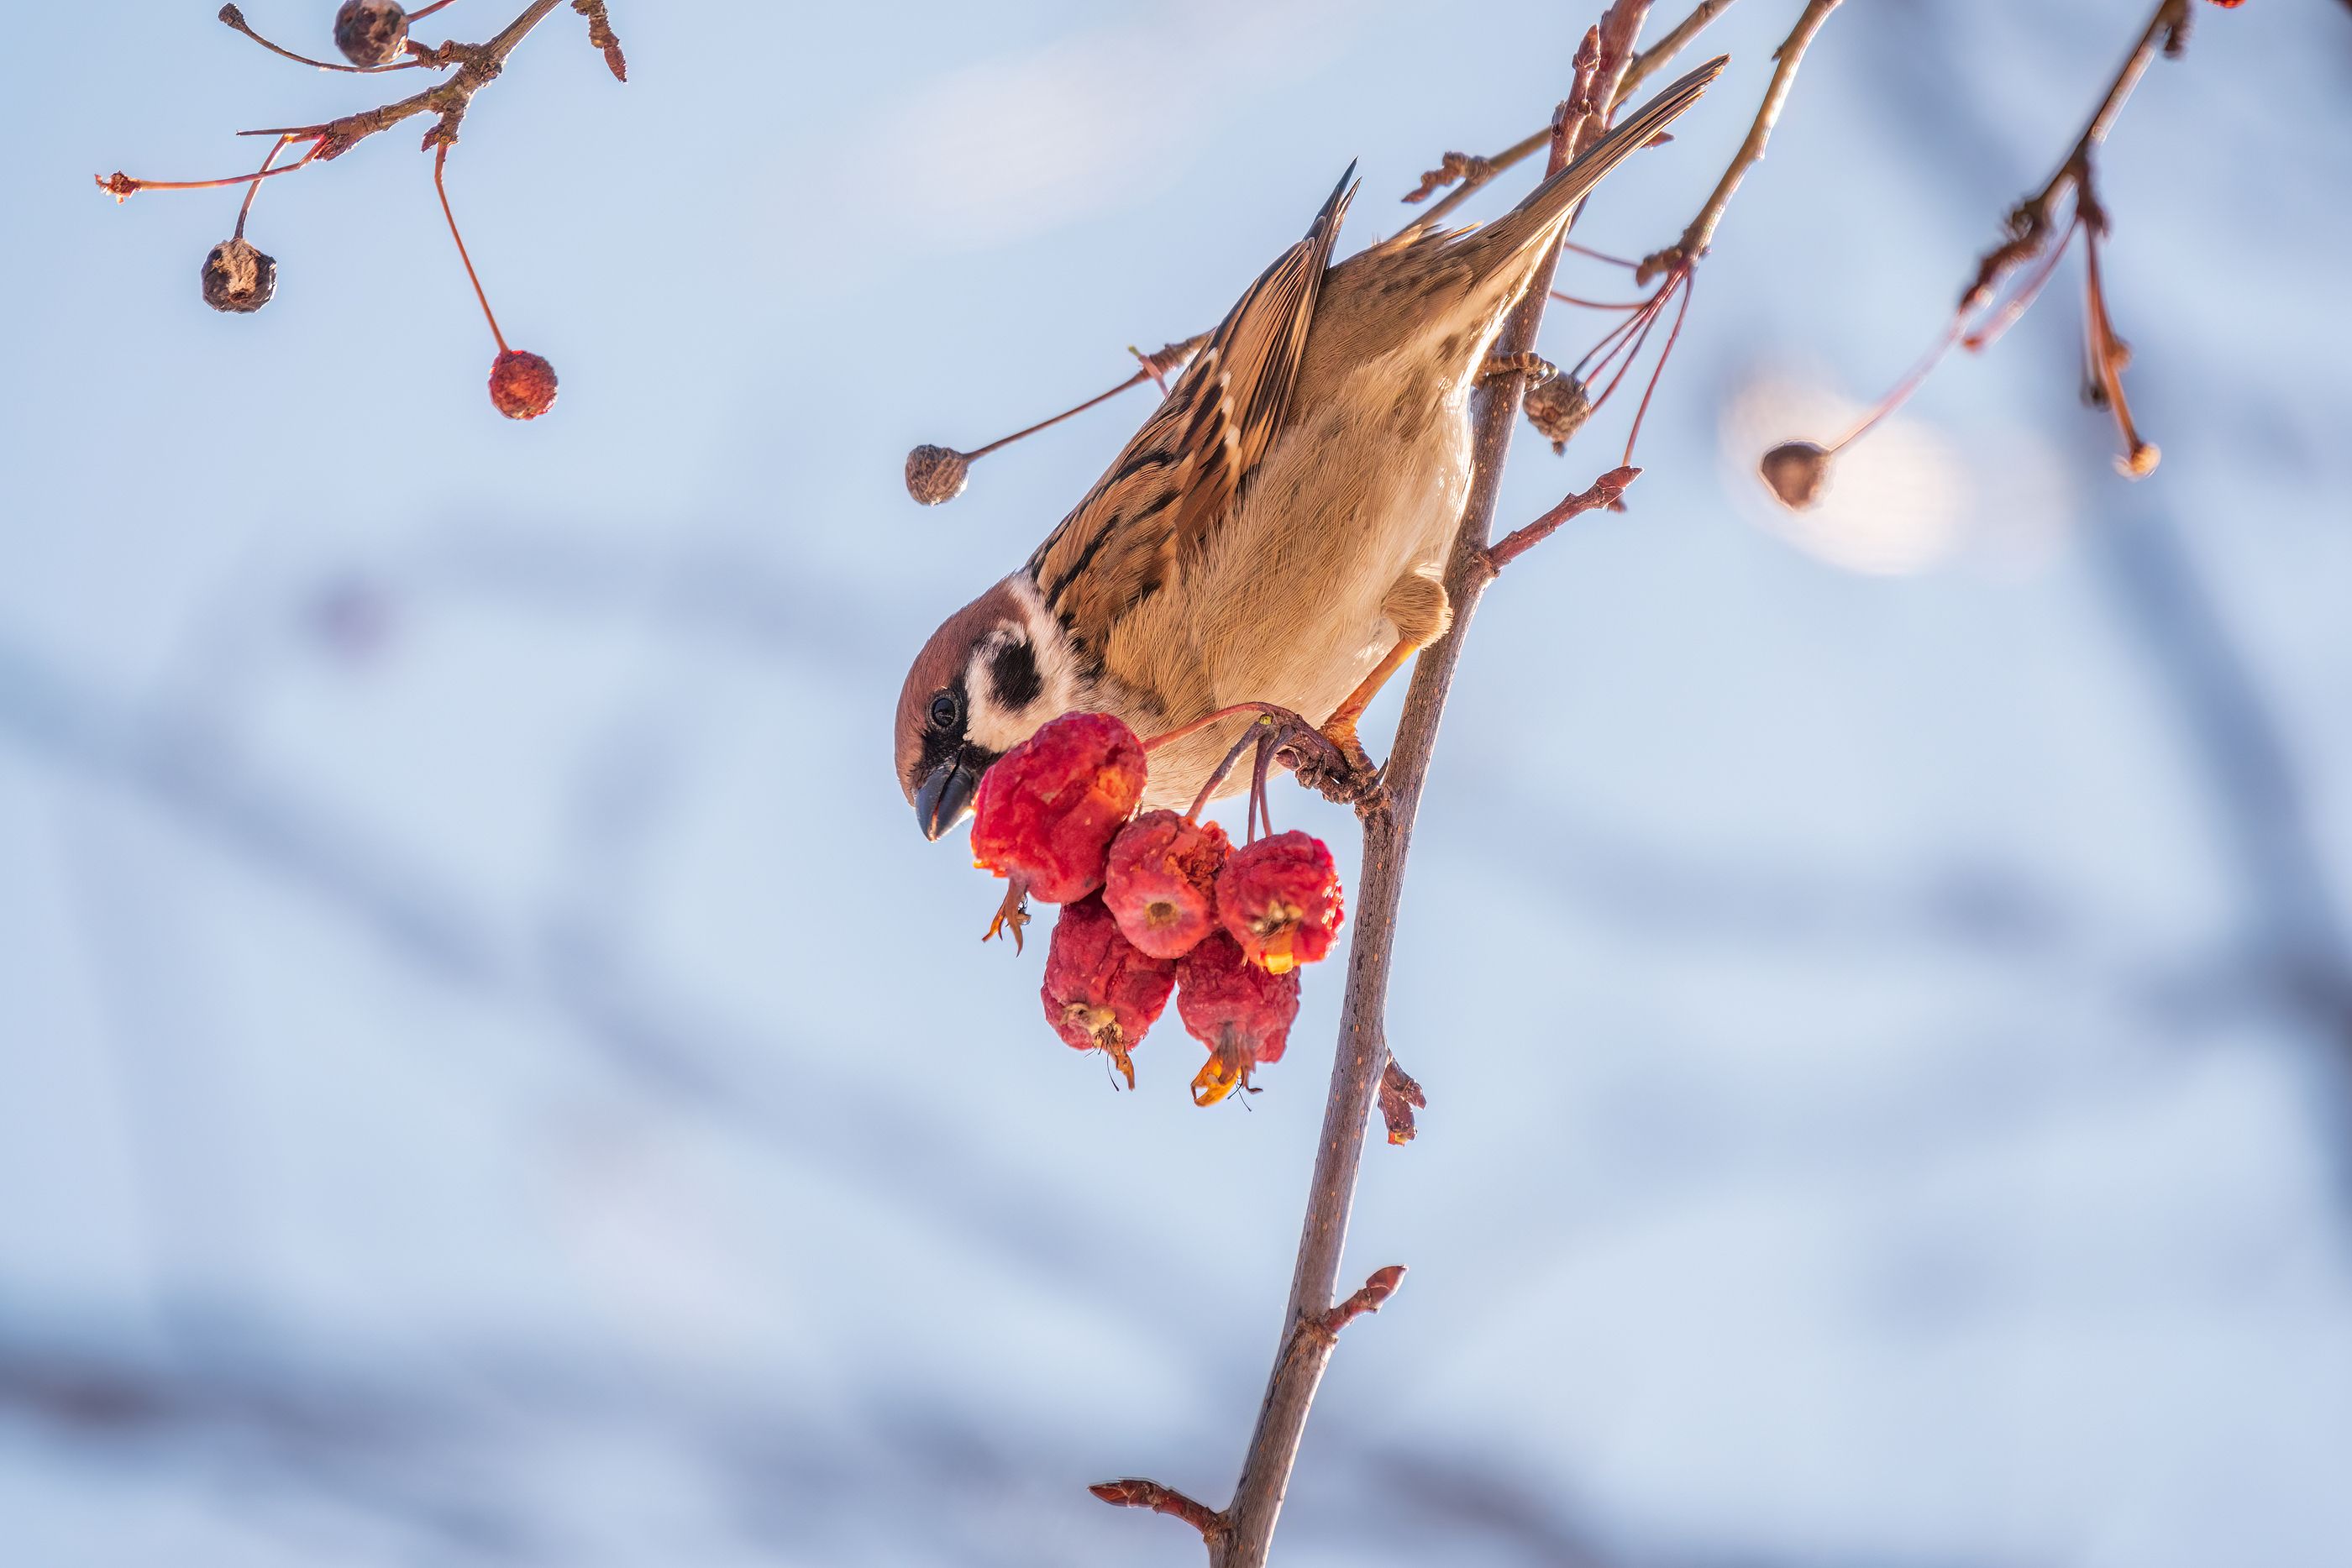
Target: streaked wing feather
1178,478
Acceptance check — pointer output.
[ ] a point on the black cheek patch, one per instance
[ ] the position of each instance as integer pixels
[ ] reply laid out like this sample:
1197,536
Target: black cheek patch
1013,678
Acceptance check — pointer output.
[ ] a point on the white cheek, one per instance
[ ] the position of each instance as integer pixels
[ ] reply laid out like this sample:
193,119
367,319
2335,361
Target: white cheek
996,730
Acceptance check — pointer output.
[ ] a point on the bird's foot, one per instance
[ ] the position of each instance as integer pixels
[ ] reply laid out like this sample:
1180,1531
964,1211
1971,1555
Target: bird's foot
1337,768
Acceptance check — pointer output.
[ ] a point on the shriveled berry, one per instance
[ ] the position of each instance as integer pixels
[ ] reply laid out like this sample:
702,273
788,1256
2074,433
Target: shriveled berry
371,32
1558,407
523,384
1241,1013
1280,899
1797,471
238,277
937,474
1101,993
1160,883
1046,812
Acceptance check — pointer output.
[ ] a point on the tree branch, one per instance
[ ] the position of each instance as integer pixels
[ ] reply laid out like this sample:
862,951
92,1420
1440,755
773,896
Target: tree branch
477,65
1701,233
1362,1055
2031,221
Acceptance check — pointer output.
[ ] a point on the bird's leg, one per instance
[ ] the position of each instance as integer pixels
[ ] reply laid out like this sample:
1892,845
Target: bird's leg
1533,366
1416,605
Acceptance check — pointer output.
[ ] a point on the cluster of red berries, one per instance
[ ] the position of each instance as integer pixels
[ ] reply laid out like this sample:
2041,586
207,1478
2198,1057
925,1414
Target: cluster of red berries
1153,903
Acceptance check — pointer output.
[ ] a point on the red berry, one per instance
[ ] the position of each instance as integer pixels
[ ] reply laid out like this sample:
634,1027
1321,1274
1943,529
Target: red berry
1100,993
371,32
238,277
1046,812
1280,899
523,385
1238,1010
1161,884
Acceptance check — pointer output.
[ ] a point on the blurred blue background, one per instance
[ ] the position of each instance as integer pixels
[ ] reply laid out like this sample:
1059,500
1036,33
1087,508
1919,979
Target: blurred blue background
492,1074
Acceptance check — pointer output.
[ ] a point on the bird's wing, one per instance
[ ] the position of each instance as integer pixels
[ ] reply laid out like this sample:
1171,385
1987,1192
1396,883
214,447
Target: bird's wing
1177,479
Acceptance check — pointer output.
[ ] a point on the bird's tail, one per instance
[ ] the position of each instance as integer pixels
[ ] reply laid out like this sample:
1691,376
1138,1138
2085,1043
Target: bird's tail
1537,219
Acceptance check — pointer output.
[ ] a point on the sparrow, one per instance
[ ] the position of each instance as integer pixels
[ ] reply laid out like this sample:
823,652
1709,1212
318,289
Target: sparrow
1277,530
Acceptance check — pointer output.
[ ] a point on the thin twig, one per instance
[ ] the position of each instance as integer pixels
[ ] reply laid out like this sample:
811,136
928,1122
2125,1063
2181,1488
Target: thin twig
1375,1292
1473,172
1134,1491
2034,231
1362,1055
1605,491
1701,233
1648,63
2031,220
477,65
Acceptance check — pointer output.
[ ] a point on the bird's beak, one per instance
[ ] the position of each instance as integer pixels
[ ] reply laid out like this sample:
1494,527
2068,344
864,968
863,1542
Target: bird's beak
946,796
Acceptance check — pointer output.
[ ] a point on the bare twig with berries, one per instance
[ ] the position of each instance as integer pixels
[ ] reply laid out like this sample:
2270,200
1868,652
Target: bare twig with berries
2038,230
1559,405
373,37
937,474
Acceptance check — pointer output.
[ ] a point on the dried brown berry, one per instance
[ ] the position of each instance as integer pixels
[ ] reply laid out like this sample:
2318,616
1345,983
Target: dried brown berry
238,277
1279,898
1161,884
1558,407
1101,993
937,474
371,32
1797,471
1239,1012
1048,810
523,384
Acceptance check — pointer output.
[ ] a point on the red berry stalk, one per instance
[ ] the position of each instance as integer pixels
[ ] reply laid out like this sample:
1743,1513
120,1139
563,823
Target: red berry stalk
523,384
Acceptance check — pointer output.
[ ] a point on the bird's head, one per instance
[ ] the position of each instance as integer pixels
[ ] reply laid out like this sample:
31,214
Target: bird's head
989,677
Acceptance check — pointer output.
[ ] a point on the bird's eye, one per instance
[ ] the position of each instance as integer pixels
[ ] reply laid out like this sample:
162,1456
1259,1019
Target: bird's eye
945,711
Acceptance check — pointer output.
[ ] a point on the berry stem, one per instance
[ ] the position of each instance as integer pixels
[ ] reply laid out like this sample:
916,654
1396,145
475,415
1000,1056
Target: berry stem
441,187
1195,726
235,19
121,187
1152,369
1900,393
1599,304
254,189
2006,317
1689,281
1599,254
1253,736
